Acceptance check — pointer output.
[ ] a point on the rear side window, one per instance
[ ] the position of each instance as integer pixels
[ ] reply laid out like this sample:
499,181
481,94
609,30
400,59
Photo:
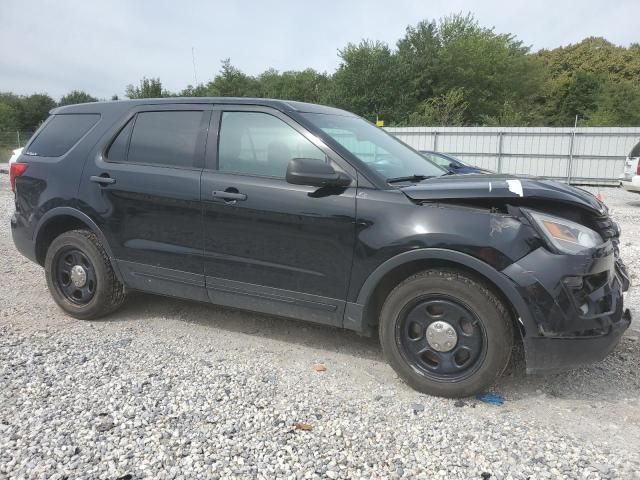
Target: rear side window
164,138
61,133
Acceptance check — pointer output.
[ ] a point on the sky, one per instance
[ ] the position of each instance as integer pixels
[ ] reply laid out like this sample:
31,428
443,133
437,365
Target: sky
102,46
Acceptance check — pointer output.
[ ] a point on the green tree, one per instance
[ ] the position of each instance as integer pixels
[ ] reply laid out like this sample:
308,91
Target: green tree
9,112
368,82
618,105
305,86
148,88
33,110
593,55
76,96
446,109
593,79
572,95
418,53
199,90
508,116
492,68
231,82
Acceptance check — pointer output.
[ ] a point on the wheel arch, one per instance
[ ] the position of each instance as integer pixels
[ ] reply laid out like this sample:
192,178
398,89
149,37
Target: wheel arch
64,219
381,281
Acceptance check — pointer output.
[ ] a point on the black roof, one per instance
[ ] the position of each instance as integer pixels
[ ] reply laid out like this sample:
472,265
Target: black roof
285,105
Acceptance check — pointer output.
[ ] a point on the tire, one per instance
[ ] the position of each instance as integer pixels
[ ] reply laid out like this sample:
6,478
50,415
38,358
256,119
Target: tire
415,330
101,293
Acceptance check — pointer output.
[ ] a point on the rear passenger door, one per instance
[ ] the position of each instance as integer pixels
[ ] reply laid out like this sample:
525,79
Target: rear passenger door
271,246
143,190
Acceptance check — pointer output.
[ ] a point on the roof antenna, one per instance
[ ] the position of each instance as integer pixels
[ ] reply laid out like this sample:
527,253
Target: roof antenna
193,59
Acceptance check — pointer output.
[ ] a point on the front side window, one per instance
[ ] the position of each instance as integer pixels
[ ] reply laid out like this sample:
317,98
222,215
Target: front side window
256,143
60,134
167,138
373,146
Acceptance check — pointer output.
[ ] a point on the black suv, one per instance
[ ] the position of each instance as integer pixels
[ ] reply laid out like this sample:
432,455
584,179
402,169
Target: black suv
311,212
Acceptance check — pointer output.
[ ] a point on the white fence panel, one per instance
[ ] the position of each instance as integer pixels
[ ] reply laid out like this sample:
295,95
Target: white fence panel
585,155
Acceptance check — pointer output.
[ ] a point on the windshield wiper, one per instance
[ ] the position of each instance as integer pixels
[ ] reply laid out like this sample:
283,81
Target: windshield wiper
410,178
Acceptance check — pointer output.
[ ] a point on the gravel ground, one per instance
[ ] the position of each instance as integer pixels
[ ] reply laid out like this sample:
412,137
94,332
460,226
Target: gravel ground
172,389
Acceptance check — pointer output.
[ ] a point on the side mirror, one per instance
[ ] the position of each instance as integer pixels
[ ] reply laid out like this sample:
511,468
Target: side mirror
316,173
455,166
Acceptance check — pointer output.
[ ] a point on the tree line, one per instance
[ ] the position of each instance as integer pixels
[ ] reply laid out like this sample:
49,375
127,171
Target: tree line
449,72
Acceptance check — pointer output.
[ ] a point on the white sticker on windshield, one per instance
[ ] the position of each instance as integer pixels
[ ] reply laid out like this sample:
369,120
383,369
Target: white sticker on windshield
516,187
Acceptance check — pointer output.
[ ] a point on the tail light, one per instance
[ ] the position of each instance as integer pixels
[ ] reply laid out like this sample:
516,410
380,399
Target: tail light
638,167
15,171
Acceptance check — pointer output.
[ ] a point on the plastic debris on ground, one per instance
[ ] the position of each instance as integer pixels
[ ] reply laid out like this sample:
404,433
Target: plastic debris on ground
491,398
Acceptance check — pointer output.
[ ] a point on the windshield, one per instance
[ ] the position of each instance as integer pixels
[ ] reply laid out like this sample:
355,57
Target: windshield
438,159
372,145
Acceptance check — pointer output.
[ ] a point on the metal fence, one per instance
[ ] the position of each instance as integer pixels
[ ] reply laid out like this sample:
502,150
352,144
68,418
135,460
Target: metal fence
10,140
584,155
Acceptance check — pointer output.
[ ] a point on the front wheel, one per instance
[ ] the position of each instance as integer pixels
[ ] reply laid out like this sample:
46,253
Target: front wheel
80,276
445,333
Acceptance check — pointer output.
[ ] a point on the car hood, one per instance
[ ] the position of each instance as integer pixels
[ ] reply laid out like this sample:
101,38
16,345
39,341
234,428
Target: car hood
498,186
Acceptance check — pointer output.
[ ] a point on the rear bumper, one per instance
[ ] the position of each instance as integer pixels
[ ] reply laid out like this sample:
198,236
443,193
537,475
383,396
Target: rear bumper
22,237
576,307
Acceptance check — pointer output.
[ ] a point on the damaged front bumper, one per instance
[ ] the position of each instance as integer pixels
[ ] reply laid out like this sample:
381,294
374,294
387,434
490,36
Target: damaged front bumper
576,306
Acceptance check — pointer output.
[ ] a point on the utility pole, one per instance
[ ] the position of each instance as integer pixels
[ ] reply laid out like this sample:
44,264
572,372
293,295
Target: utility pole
193,59
573,139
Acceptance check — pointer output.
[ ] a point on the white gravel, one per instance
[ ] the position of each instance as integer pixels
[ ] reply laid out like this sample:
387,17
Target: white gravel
173,389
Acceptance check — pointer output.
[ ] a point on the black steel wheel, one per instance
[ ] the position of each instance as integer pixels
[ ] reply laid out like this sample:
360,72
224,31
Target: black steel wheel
80,276
446,333
441,338
75,276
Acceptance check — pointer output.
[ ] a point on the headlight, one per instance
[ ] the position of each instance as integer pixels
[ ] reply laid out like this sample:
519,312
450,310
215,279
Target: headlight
564,235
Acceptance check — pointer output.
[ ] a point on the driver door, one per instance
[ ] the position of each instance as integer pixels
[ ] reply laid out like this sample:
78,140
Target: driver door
268,245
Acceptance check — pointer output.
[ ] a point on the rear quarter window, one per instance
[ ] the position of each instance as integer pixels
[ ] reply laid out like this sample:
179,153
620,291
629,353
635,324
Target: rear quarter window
61,133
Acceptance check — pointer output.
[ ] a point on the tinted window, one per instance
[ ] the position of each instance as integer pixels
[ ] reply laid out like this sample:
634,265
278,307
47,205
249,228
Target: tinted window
60,134
165,138
118,149
261,144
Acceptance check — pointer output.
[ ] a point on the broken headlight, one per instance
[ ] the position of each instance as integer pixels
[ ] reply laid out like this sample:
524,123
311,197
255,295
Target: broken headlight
562,235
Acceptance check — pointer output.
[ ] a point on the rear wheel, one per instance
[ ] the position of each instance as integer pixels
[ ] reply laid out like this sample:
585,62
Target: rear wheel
80,277
446,333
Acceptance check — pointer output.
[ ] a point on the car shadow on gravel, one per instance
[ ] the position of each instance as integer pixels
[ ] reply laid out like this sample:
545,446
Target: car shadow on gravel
141,306
616,377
